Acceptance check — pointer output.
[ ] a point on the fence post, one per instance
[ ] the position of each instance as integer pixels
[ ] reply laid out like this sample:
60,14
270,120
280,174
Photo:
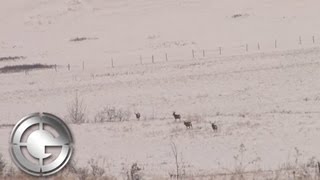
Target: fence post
220,50
140,59
204,53
166,57
300,41
82,65
275,44
193,54
55,67
68,67
152,58
313,41
258,46
112,63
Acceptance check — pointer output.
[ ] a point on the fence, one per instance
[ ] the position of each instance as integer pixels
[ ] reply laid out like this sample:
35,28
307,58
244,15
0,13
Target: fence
183,54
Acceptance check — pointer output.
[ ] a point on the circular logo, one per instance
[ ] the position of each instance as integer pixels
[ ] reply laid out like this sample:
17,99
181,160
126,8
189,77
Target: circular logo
41,144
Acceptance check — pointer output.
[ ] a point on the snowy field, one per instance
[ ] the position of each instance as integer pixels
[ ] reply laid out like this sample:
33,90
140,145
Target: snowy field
262,91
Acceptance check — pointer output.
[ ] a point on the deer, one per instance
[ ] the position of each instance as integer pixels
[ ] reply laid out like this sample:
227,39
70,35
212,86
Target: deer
138,115
188,124
176,116
214,127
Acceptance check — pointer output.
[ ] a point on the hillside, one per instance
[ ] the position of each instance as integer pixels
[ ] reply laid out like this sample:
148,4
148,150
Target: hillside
263,97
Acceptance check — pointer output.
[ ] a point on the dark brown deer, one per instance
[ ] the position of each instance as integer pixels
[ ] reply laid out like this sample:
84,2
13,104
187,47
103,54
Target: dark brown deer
214,127
138,115
176,116
188,124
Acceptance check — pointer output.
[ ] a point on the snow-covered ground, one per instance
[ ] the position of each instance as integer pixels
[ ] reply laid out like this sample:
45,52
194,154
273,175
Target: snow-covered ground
267,99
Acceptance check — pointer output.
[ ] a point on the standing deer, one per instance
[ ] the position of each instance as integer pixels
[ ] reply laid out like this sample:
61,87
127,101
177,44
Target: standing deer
176,116
137,115
188,124
214,127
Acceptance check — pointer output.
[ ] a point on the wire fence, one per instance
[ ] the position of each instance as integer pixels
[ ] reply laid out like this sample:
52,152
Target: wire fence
189,54
196,53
